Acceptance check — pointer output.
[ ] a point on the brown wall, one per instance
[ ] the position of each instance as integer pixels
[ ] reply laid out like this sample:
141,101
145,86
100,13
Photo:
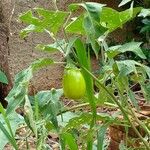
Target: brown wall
22,52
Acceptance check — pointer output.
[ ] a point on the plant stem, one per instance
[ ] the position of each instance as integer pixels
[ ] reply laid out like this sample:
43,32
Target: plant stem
120,107
55,5
74,108
139,122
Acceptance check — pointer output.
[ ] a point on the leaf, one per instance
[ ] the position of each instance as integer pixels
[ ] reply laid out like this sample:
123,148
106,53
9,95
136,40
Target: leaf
44,97
123,2
64,118
43,62
57,46
93,32
101,137
31,28
3,78
15,120
22,79
147,69
20,89
129,14
132,47
91,22
6,133
53,20
125,67
76,26
130,66
28,18
91,7
112,19
144,13
84,61
45,20
77,122
103,96
85,118
70,45
49,104
146,91
70,141
132,99
29,117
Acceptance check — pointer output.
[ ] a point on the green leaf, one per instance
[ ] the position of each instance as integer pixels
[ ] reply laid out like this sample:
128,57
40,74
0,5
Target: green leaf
70,141
129,14
93,32
3,78
146,91
28,18
14,120
90,22
76,26
40,63
31,28
29,117
123,2
70,45
131,95
45,20
44,97
64,118
84,61
85,118
110,18
20,89
144,13
103,96
49,104
132,47
125,67
53,20
92,8
57,46
77,122
147,69
101,137
6,133
22,79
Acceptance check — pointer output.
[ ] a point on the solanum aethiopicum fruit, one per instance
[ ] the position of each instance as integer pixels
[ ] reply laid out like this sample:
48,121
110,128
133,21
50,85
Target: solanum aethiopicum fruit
73,83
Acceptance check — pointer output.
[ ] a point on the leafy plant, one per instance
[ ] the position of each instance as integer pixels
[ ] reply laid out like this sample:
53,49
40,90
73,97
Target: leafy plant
45,113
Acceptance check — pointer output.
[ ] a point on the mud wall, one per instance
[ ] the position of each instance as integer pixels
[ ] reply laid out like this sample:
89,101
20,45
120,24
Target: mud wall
22,52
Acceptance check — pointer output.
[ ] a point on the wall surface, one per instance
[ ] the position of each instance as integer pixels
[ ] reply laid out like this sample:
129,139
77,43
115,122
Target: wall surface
22,52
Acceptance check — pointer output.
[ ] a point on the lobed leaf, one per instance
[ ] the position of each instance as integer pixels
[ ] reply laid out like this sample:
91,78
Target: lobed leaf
132,47
22,79
46,20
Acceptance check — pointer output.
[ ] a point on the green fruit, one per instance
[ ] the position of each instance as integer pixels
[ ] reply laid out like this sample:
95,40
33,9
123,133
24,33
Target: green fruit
73,84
